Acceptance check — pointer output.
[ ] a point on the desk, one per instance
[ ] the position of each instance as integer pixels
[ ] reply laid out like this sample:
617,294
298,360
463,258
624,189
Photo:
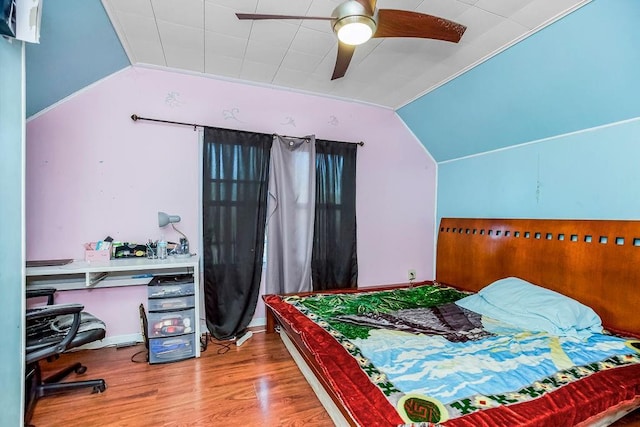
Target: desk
81,274
116,272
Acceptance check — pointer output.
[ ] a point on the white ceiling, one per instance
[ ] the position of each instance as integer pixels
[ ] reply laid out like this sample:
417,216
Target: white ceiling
204,36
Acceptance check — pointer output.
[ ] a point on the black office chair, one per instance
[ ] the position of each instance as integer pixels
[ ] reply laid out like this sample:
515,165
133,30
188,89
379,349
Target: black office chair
51,330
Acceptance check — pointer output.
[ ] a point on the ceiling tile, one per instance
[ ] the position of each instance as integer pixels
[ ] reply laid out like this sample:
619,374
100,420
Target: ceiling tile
288,77
297,7
258,71
399,4
276,32
326,66
222,19
265,52
320,8
500,36
312,41
478,21
142,38
183,12
139,7
183,46
300,61
239,5
448,9
224,45
504,8
223,66
364,50
540,12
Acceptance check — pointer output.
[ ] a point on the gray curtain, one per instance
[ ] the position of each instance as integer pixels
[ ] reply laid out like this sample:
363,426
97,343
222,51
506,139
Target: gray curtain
290,220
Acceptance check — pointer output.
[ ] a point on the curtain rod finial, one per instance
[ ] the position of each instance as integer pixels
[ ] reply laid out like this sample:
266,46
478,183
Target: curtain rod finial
134,117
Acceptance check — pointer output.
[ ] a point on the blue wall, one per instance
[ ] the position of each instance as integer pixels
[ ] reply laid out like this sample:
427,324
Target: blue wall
578,73
65,61
593,174
557,117
11,232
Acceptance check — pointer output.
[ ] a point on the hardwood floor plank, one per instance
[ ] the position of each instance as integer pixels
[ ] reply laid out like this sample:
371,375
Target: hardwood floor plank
257,384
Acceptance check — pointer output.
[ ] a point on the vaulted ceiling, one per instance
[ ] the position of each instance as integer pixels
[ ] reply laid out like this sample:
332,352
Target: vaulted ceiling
207,37
81,44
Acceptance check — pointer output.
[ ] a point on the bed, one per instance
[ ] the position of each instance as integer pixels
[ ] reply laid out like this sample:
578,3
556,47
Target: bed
417,355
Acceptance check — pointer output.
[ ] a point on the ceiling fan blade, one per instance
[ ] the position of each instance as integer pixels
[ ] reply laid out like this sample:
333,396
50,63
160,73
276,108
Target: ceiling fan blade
257,16
404,23
370,5
345,53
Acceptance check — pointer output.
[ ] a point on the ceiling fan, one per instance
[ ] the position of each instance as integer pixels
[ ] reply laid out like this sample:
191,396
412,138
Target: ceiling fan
356,21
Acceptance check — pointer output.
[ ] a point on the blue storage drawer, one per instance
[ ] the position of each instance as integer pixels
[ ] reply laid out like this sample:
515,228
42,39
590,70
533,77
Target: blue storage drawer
172,349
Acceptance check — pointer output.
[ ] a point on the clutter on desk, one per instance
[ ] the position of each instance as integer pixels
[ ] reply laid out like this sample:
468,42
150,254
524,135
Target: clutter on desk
128,250
159,249
97,251
104,250
152,249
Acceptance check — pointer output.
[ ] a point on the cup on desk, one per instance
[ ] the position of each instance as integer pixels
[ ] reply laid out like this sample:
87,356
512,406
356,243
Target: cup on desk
152,252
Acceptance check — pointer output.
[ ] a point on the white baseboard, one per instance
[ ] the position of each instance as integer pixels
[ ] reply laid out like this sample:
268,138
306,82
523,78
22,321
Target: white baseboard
137,337
113,341
256,323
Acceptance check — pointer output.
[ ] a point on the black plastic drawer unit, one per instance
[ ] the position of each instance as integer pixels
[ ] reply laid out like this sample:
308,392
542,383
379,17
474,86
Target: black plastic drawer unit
171,324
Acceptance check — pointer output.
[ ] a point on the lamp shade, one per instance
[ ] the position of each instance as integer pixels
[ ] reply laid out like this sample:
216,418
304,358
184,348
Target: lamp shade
354,30
164,219
353,23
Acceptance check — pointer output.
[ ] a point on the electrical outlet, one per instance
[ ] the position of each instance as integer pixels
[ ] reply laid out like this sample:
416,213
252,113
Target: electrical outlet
412,275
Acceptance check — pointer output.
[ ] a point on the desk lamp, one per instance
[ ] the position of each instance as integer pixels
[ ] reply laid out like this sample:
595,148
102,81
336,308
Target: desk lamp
164,220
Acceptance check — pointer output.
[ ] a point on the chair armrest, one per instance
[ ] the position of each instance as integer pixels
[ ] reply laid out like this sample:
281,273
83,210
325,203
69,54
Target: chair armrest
52,311
42,292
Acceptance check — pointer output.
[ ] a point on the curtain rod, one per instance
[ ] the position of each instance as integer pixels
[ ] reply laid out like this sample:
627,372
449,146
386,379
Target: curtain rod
135,118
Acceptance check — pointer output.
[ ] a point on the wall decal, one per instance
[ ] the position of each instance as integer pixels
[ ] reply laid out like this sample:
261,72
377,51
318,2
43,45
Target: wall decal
231,114
172,99
289,121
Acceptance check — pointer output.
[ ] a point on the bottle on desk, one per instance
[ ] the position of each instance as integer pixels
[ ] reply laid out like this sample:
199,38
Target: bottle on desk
162,248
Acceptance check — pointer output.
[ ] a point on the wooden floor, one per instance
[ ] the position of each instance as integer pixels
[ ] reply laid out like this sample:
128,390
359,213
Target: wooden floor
256,384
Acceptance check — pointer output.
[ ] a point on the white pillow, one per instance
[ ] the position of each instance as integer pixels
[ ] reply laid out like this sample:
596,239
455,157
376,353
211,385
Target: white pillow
527,306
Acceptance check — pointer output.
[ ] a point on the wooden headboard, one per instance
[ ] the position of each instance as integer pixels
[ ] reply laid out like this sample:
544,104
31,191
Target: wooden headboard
596,262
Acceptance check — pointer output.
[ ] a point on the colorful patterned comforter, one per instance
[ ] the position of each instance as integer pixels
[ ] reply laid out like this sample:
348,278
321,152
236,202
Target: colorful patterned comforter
433,361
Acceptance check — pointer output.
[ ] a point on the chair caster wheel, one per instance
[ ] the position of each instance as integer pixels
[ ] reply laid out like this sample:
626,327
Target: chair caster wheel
80,369
99,388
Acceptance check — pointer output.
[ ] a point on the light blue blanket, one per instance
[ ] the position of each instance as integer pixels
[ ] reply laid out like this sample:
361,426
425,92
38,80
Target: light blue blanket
465,377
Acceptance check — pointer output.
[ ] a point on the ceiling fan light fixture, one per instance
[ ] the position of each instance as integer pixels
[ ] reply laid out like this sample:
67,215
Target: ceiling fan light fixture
354,30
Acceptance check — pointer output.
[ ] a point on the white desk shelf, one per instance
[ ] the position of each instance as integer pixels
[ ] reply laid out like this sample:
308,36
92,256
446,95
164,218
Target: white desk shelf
81,274
117,272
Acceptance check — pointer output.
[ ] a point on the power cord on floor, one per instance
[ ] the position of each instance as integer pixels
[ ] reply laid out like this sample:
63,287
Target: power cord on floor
135,358
204,341
223,345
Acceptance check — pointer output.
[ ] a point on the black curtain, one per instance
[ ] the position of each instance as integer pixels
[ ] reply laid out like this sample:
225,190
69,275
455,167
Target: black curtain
234,203
334,262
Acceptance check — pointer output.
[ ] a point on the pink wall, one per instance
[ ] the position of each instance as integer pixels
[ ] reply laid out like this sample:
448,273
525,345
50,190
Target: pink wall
93,172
